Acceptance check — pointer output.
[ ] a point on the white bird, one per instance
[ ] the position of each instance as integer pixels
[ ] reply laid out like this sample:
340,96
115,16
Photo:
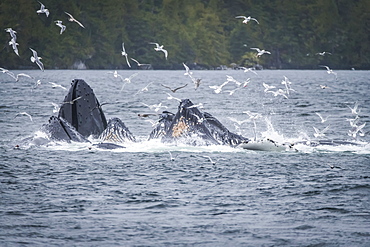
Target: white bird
56,107
187,70
357,129
36,59
196,82
199,119
329,71
323,120
278,92
249,70
128,79
218,89
253,115
200,105
323,53
247,19
287,84
355,110
239,122
160,48
42,10
210,159
54,85
321,133
24,113
14,44
62,27
267,87
72,19
231,79
144,89
171,97
260,52
172,158
124,53
11,32
115,74
353,121
138,64
72,101
246,82
15,77
155,107
231,92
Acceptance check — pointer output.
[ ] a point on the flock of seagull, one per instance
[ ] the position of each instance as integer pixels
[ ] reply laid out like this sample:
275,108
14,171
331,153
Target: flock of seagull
284,92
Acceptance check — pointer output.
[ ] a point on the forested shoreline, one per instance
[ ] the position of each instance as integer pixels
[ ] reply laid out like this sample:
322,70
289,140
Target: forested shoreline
203,33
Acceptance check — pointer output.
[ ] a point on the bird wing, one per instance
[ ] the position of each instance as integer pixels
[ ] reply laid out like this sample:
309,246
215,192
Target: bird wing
241,16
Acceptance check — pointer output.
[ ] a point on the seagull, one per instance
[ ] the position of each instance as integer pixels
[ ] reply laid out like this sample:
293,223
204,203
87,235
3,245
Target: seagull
323,86
54,85
144,89
124,53
15,77
172,158
252,115
238,121
115,74
24,113
171,97
319,133
36,59
138,64
246,82
62,27
357,129
354,110
196,82
200,105
42,10
323,53
199,119
329,71
231,79
267,87
218,89
187,70
249,70
11,32
14,44
72,101
56,107
210,159
260,52
247,19
174,89
231,92
155,107
353,121
323,120
278,92
160,48
128,79
286,82
72,19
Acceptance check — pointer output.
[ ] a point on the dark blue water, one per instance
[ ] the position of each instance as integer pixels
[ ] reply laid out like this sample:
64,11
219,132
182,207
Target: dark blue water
69,195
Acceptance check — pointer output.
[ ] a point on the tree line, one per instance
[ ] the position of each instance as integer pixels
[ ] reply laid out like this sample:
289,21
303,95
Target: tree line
202,33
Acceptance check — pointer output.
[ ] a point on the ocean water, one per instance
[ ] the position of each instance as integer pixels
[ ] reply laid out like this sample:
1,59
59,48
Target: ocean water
69,194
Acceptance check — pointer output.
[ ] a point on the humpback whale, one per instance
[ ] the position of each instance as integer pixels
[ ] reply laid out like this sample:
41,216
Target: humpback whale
81,116
85,113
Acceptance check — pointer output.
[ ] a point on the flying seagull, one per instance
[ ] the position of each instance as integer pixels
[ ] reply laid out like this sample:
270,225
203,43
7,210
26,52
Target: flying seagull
72,19
160,48
62,27
124,53
174,89
42,10
36,59
247,19
260,52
